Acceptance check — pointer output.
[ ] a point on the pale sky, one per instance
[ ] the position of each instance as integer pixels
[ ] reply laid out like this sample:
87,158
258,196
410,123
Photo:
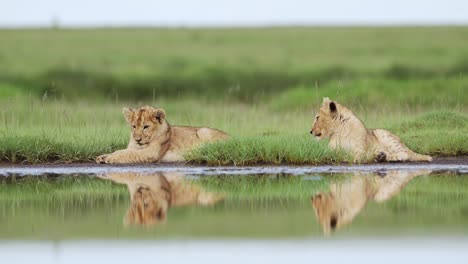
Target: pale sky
76,13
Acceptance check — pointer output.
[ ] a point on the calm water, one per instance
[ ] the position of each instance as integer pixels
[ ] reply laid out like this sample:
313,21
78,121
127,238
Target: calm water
170,205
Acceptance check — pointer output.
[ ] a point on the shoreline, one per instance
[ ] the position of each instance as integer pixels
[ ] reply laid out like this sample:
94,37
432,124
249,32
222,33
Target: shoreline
448,160
457,165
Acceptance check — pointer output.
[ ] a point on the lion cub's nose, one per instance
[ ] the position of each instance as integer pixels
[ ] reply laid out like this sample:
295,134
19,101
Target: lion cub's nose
138,140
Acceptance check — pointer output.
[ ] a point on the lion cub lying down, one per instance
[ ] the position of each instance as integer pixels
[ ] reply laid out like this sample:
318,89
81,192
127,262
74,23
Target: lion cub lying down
151,195
338,207
346,131
152,139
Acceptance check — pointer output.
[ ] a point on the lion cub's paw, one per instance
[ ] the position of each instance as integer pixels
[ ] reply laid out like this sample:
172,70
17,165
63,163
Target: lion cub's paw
101,159
380,157
111,159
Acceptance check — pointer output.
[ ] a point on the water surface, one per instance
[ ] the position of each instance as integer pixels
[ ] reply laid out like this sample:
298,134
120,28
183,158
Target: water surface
173,205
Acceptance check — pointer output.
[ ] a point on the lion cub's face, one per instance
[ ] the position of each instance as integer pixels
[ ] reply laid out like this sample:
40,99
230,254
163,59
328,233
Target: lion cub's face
147,207
144,123
323,123
327,212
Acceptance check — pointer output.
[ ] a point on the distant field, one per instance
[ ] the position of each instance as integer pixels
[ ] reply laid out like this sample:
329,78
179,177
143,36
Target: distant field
242,64
62,91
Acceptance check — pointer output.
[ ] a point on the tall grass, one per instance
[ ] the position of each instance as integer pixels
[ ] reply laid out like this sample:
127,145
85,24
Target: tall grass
283,149
56,130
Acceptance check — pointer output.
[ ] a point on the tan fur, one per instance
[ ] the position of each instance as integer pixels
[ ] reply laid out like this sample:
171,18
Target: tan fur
344,201
151,195
346,131
159,141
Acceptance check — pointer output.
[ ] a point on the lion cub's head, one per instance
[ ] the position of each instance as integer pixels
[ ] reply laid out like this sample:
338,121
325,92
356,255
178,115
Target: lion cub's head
324,122
147,207
327,211
145,123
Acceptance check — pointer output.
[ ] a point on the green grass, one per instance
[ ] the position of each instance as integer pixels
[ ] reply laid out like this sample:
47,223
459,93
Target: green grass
59,190
426,133
237,64
54,130
62,188
441,133
78,188
381,94
53,189
284,149
146,52
61,91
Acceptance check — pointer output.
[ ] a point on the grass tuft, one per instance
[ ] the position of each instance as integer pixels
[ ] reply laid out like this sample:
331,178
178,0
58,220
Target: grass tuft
284,149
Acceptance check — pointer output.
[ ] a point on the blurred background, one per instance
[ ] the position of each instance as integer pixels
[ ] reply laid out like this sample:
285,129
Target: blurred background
234,50
228,64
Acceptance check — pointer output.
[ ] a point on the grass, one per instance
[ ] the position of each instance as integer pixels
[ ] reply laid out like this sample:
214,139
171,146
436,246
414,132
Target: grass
62,188
447,131
239,64
113,51
36,131
76,189
381,94
284,149
59,190
61,91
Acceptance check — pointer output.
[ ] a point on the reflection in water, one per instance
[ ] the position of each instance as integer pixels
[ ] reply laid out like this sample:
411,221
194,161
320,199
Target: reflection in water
345,200
82,207
151,195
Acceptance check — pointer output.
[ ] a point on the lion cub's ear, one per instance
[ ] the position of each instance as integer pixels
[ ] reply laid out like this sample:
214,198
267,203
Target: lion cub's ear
316,199
159,115
161,214
330,104
128,114
332,107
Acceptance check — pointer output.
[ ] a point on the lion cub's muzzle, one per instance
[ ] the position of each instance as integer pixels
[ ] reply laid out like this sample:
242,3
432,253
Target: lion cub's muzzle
317,135
140,142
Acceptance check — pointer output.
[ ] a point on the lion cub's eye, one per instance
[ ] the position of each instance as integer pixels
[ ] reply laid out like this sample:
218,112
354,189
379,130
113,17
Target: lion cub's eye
134,127
145,127
317,118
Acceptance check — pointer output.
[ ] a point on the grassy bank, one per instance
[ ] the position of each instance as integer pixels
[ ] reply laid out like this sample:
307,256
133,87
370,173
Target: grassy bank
425,133
55,130
61,91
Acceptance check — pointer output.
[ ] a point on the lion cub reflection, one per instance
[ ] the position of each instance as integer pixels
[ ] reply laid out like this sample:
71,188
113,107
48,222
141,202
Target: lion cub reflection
344,201
151,195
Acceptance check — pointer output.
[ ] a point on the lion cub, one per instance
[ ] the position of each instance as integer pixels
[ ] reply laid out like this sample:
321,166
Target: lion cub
153,139
151,195
338,207
346,131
